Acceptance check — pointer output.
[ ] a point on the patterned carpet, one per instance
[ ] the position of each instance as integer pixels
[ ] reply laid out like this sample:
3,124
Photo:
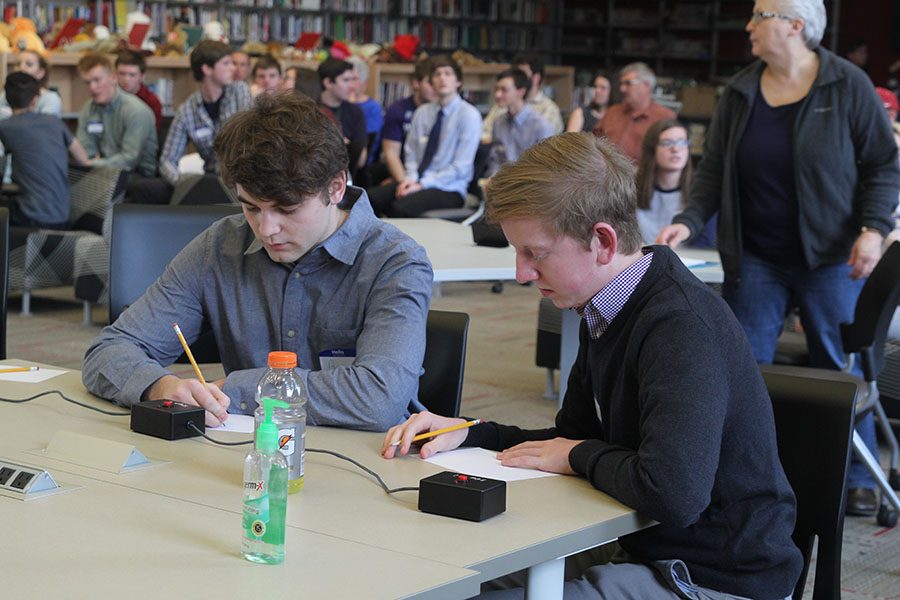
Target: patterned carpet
501,383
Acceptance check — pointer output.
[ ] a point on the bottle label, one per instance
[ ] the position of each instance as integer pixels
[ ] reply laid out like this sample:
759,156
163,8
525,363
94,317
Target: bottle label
256,515
286,441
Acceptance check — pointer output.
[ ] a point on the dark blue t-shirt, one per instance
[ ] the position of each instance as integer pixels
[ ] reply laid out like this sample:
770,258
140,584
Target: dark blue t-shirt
39,145
397,121
770,226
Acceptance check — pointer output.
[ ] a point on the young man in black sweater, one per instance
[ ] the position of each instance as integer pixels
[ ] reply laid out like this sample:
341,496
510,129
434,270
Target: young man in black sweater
665,410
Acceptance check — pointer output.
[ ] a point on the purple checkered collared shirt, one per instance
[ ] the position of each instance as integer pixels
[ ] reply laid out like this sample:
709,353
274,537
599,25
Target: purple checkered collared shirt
600,310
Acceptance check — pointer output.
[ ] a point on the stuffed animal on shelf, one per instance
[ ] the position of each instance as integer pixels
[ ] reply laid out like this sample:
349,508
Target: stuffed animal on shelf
24,36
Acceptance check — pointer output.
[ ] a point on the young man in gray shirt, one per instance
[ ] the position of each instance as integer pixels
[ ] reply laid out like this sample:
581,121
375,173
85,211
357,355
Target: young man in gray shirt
40,146
306,268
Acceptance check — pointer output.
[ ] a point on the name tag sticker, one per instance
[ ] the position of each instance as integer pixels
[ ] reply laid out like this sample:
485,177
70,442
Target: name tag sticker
202,132
339,357
94,127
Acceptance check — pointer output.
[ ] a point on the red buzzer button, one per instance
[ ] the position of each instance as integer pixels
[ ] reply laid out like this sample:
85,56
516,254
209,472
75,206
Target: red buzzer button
168,404
462,478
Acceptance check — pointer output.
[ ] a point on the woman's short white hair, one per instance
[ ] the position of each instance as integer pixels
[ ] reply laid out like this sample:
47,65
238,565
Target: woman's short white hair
814,18
360,66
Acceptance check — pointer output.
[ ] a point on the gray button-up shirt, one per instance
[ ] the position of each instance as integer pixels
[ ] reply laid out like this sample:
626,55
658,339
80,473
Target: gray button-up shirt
513,135
366,288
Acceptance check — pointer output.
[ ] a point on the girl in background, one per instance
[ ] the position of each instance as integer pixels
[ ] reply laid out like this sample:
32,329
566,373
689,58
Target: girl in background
664,181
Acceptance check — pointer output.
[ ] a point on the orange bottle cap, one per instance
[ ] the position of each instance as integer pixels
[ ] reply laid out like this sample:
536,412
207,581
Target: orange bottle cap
282,360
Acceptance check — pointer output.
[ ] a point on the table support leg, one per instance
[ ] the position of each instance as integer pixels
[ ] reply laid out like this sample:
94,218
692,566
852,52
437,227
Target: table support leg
545,580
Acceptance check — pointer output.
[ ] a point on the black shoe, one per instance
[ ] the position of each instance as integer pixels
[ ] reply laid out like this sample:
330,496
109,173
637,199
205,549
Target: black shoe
861,502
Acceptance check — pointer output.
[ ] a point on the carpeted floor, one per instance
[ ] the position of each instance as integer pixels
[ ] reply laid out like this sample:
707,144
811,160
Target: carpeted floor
501,383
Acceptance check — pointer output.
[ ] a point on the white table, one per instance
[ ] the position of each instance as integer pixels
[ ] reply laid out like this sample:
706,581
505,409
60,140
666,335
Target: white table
545,518
454,255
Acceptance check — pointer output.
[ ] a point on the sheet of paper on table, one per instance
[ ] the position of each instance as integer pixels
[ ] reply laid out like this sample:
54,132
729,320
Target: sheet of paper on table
483,463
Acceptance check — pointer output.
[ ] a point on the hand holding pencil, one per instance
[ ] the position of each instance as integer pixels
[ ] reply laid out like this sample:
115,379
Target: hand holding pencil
443,434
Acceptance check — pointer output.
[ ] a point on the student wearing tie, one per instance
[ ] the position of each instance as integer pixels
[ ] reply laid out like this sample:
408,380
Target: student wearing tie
439,152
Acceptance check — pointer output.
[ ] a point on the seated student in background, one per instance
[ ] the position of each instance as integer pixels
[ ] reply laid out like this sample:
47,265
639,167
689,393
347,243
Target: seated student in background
664,181
266,75
241,62
202,115
440,150
665,411
294,272
48,102
520,128
397,121
290,78
585,118
130,68
625,123
533,67
372,110
40,146
338,80
115,127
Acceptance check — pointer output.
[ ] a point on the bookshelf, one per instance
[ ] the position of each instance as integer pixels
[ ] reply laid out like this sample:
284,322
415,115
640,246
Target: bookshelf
690,39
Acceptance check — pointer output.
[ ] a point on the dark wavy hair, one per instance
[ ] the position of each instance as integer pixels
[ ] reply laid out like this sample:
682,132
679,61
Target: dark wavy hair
283,149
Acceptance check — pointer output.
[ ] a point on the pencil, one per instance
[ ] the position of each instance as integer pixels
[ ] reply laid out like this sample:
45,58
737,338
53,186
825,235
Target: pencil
436,432
19,369
187,351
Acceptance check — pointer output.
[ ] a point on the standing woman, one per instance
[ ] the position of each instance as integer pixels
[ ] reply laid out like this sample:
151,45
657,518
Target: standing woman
49,102
584,118
800,164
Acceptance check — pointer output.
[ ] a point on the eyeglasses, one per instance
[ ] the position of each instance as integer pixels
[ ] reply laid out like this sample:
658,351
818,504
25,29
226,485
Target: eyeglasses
762,15
674,144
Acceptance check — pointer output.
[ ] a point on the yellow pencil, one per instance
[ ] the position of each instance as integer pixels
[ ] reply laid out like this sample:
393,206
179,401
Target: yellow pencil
436,432
19,369
187,351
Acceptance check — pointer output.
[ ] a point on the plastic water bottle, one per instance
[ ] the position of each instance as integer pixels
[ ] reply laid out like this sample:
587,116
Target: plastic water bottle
265,493
281,382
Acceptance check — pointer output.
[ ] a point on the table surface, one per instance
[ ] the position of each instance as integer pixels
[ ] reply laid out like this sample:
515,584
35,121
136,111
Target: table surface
454,255
338,500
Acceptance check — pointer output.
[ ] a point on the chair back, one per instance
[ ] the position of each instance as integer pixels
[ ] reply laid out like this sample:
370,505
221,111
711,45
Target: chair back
440,386
4,276
92,191
814,415
873,313
145,238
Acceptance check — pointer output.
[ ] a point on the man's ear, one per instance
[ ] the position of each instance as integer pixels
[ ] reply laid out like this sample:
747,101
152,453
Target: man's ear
336,188
604,242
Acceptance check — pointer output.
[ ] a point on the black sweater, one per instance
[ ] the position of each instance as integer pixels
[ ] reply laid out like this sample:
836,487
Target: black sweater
687,436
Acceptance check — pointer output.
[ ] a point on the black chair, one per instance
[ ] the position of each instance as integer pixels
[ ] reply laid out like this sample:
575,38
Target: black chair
145,238
814,414
4,276
440,387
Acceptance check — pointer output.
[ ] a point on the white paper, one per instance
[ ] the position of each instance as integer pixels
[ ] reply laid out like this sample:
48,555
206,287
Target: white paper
483,463
236,424
38,376
692,262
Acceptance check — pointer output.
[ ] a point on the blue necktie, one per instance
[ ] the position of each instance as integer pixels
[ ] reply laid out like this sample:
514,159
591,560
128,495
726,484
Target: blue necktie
431,147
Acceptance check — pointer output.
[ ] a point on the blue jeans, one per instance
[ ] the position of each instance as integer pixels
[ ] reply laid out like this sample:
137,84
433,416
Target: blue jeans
825,296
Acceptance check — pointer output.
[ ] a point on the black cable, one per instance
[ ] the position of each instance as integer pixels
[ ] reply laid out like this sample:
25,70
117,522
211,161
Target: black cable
215,441
67,399
317,450
367,470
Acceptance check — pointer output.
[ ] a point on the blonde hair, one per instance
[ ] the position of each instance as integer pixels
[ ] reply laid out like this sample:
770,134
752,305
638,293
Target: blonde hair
569,182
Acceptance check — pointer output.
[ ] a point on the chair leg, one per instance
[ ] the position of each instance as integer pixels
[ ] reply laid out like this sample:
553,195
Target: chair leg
26,303
888,434
87,318
874,469
550,390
